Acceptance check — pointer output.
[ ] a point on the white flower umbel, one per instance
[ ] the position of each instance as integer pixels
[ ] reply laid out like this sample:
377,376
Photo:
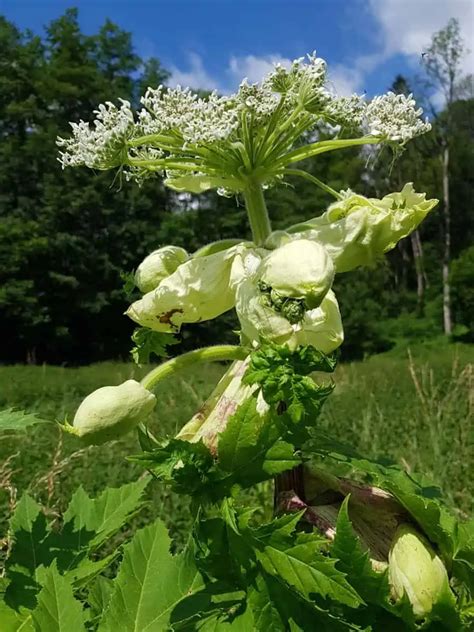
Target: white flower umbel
102,145
395,117
232,143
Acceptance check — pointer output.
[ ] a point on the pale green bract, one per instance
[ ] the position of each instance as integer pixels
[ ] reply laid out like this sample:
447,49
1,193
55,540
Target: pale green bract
111,411
415,570
357,231
198,290
157,266
320,327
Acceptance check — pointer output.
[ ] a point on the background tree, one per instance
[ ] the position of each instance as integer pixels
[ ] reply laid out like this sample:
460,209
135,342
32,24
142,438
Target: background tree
442,62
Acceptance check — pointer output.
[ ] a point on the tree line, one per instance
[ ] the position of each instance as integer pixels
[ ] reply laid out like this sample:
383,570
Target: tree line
68,237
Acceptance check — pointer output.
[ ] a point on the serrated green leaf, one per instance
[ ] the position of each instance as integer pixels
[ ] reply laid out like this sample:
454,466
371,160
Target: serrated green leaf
150,583
276,608
265,612
29,530
57,609
149,342
353,560
303,567
106,514
283,376
251,447
19,420
87,524
99,596
463,559
128,279
189,468
87,569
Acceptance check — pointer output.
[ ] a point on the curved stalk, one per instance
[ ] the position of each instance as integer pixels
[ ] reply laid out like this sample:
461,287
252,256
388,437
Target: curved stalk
313,149
218,353
314,180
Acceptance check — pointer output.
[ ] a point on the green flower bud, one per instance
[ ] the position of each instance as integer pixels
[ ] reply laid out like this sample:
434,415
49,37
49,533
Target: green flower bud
199,289
299,269
356,231
293,310
111,411
157,266
416,570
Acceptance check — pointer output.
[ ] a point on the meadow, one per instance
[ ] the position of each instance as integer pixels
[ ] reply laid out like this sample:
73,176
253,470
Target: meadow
414,406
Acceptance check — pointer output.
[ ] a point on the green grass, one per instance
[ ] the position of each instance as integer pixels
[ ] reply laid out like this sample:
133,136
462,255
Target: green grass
417,411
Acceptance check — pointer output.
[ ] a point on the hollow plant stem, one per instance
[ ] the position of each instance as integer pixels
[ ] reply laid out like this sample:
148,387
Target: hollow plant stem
257,212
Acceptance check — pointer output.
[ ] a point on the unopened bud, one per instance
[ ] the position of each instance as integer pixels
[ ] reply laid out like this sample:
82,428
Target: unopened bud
157,266
111,411
416,570
299,269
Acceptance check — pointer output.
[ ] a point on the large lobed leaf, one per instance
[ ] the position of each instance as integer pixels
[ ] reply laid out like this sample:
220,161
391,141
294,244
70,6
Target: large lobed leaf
150,584
88,523
57,609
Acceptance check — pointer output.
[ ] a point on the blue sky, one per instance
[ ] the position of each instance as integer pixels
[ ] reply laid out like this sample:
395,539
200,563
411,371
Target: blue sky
215,43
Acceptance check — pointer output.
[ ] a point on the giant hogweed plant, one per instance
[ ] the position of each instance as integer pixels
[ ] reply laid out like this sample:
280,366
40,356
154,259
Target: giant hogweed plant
354,544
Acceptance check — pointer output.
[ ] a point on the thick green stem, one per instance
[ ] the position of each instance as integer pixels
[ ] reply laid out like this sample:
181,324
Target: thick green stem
218,353
257,212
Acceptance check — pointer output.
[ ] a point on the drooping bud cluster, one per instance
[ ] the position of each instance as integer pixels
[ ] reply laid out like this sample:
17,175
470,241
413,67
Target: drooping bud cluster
281,292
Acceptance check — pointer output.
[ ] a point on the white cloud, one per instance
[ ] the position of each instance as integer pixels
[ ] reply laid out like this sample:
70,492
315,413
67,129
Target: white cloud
404,27
347,80
250,66
253,67
196,76
408,25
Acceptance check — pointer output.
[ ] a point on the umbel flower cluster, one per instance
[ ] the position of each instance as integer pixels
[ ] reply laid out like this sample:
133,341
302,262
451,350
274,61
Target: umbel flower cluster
198,143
